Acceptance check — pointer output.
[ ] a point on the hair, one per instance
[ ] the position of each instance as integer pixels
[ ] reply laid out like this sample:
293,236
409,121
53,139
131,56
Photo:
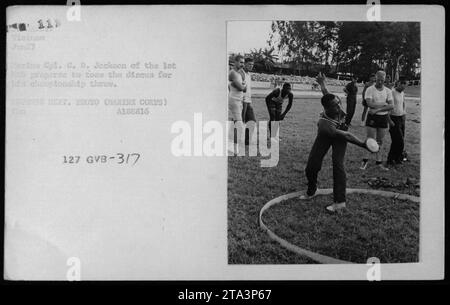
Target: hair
380,72
402,79
238,57
287,85
249,59
327,99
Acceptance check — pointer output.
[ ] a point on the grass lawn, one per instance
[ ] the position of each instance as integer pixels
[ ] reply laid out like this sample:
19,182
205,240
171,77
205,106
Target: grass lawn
372,226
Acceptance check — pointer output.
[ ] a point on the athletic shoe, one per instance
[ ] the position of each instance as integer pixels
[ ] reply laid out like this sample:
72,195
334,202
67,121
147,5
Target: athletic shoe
405,156
335,207
364,164
305,196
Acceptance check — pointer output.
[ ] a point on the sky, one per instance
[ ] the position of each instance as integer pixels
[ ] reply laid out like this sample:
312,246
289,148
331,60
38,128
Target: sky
243,36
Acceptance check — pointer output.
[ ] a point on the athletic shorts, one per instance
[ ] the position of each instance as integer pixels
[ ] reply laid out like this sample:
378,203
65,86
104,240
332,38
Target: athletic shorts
377,121
235,109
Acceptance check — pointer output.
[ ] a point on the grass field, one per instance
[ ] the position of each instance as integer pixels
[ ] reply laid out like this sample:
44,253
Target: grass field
372,226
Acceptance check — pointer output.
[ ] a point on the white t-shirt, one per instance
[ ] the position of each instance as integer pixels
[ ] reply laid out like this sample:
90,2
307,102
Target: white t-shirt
234,93
399,102
248,93
379,97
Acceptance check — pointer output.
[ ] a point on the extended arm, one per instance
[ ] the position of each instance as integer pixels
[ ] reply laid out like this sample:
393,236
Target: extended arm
349,137
288,107
321,81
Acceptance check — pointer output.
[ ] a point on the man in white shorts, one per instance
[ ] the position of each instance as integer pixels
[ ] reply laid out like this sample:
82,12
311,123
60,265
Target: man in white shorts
247,112
379,100
237,88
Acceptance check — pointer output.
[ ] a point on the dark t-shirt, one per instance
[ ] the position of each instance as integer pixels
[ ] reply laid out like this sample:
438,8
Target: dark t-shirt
275,98
326,128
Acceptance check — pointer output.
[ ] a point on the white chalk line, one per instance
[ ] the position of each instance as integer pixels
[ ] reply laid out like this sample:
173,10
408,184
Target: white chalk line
323,259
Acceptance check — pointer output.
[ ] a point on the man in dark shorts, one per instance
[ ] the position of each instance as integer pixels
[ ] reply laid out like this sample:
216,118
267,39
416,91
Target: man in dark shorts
332,132
351,90
274,102
379,100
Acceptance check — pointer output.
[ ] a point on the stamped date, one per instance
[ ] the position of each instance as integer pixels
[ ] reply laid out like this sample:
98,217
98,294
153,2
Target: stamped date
118,158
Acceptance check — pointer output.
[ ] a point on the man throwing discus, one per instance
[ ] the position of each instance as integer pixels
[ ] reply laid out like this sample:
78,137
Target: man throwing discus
332,132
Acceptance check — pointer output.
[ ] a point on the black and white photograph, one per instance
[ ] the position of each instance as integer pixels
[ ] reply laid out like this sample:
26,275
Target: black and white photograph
224,143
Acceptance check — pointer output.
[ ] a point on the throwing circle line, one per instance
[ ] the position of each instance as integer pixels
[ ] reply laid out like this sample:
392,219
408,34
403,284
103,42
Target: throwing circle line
323,259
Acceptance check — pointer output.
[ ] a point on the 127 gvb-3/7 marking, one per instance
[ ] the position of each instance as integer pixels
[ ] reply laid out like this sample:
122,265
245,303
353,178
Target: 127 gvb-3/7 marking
118,158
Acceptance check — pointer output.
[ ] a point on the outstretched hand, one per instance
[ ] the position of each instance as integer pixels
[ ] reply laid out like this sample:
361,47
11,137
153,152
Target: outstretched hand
320,78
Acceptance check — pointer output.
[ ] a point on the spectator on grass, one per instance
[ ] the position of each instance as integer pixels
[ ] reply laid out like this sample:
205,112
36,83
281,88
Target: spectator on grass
351,90
397,124
274,102
379,100
364,103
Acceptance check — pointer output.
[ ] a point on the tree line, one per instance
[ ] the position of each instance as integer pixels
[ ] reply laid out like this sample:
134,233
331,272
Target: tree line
344,48
358,48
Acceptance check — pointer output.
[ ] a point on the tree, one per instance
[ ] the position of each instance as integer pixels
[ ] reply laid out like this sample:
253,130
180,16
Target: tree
264,59
369,46
359,48
307,42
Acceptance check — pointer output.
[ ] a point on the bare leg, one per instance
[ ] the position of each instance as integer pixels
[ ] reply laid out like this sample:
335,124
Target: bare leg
381,133
371,133
364,114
